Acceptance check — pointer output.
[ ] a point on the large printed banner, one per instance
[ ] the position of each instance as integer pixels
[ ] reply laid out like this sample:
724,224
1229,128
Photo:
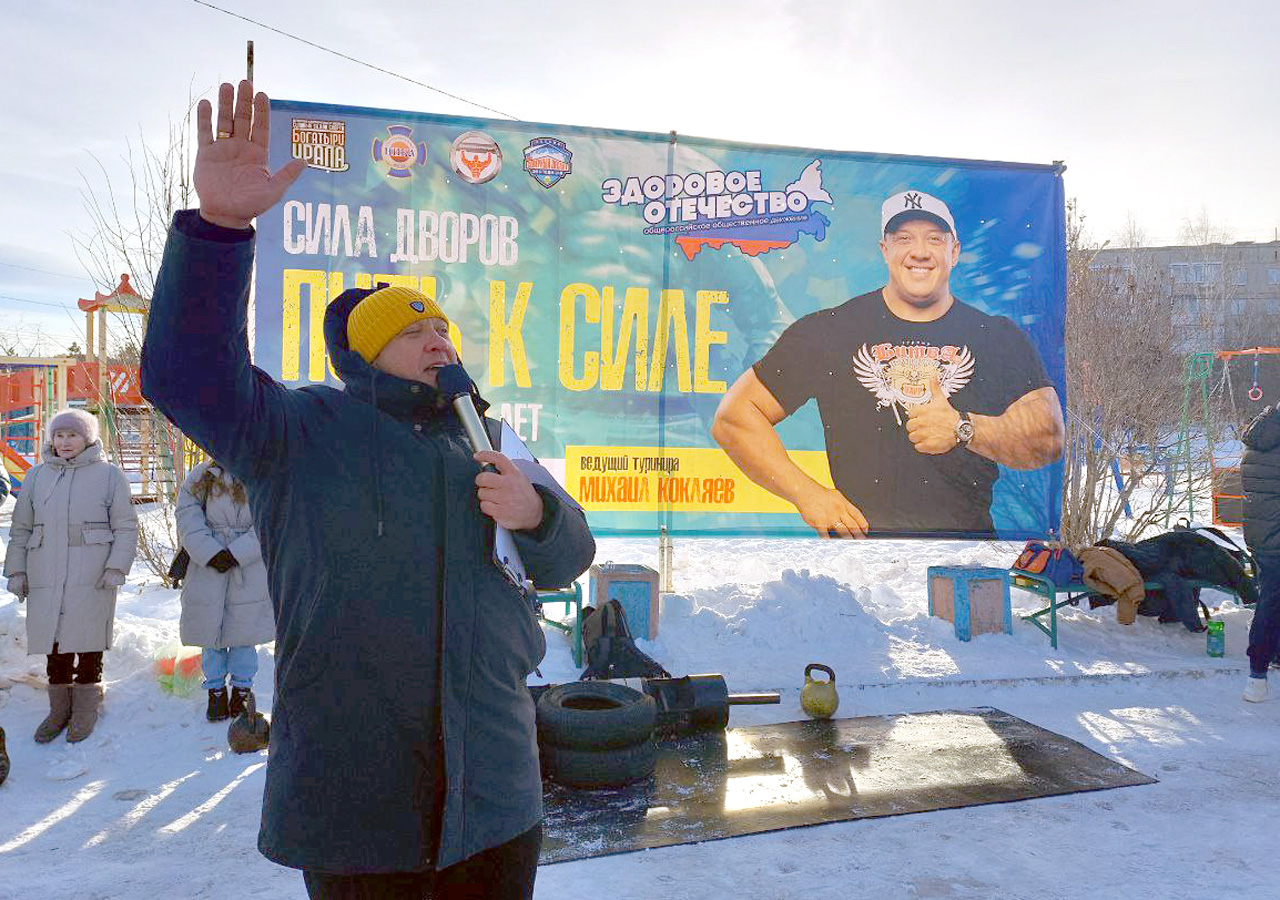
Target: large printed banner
608,289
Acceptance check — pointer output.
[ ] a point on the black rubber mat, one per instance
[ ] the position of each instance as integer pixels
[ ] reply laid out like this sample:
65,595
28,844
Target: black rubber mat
722,784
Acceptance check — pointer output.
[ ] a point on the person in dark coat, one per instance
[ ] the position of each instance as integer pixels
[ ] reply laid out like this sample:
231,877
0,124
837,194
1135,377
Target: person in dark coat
1260,472
403,752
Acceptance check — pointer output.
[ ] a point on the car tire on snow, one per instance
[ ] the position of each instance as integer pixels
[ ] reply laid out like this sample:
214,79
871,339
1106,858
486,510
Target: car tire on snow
599,768
595,716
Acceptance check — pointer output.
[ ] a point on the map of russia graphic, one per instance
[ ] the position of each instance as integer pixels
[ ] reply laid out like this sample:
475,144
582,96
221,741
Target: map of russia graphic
756,239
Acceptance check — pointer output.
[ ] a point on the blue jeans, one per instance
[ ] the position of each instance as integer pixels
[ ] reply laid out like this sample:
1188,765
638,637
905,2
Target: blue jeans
240,662
1264,633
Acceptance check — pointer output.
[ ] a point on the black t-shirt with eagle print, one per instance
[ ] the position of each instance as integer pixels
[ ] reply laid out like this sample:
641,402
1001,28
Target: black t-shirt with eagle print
865,367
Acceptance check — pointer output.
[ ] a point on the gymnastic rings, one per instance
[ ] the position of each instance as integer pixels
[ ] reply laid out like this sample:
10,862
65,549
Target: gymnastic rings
1255,392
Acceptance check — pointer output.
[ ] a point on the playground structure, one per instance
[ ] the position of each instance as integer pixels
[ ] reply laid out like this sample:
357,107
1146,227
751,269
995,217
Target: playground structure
1233,387
33,389
1193,462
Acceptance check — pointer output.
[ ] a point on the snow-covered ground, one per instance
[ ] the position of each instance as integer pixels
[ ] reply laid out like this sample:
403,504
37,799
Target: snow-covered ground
155,805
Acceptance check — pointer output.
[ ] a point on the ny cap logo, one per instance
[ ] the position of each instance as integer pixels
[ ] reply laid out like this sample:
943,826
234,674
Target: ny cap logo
912,201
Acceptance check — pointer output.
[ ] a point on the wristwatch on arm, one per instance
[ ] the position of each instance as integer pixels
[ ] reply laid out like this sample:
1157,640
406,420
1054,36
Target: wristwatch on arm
964,430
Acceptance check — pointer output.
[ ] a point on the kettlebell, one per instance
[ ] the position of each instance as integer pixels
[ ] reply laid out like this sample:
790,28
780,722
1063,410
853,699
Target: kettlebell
819,698
250,731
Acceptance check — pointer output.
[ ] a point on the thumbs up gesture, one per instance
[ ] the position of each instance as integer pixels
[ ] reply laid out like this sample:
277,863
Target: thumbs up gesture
931,426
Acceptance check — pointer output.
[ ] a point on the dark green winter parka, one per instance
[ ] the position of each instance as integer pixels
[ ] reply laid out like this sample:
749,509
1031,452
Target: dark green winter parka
402,734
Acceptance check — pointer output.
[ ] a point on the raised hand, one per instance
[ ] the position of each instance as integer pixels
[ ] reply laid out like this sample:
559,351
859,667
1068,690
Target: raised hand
507,496
231,174
931,426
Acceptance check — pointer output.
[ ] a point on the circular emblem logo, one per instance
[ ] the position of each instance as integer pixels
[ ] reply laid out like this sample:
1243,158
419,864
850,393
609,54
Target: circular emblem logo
417,306
476,157
399,151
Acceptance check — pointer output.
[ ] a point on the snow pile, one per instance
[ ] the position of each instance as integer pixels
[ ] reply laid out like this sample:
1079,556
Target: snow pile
149,803
742,610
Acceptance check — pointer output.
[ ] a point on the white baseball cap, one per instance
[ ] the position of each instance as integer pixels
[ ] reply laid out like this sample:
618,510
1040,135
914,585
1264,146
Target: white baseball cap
909,204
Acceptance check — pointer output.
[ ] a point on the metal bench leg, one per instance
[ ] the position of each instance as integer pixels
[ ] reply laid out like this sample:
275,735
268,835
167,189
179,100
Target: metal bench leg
577,624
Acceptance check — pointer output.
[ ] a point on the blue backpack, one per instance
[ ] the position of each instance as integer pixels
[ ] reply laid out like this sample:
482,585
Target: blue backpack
1054,563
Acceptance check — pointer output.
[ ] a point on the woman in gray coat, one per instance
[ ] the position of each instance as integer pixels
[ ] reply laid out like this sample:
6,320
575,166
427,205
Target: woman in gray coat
73,539
225,606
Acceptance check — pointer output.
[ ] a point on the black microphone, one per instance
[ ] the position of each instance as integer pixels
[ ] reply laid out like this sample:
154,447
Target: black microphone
454,382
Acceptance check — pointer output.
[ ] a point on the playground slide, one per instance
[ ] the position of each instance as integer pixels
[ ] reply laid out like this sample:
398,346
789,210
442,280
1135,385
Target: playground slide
14,464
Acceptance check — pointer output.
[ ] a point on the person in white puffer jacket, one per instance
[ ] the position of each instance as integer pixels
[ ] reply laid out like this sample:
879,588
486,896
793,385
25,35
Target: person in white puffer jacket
72,542
225,606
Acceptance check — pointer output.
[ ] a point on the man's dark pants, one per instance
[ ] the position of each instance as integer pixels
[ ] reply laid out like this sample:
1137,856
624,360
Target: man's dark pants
505,872
1264,633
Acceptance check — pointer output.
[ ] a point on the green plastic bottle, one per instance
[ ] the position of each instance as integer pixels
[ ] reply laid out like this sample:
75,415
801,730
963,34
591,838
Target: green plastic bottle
1216,639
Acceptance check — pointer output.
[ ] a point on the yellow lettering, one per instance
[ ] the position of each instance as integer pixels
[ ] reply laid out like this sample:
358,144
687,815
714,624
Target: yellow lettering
504,331
293,282
568,319
635,319
290,323
671,313
704,337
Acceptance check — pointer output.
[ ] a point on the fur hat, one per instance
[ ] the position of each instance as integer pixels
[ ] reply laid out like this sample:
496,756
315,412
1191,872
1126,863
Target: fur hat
383,314
76,420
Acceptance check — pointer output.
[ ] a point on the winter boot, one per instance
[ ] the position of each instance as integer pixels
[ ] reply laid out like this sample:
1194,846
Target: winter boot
239,697
4,759
1255,690
84,712
59,713
217,710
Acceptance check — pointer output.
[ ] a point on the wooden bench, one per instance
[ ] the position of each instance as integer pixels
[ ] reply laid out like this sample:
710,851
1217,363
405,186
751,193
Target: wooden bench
1074,593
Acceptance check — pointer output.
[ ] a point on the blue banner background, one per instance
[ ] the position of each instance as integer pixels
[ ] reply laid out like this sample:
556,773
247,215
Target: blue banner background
1010,218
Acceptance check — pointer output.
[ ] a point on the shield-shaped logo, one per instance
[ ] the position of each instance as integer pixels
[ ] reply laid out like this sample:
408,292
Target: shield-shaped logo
547,160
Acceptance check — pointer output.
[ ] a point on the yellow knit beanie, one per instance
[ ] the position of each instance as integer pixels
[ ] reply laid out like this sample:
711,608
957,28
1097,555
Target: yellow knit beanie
383,314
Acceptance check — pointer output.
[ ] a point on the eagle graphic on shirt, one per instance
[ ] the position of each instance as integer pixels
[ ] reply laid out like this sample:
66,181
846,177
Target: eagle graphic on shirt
898,374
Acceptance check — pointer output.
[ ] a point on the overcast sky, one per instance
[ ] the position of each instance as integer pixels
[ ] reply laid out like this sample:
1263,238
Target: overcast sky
1162,112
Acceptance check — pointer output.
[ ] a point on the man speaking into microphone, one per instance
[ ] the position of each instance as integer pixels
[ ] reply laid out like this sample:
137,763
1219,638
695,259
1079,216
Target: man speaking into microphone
403,758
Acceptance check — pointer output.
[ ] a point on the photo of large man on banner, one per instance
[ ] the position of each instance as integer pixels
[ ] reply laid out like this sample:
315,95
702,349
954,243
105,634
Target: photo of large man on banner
621,298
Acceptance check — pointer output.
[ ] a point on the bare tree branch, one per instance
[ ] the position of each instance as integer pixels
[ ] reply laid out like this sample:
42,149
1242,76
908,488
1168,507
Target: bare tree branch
129,225
1132,451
